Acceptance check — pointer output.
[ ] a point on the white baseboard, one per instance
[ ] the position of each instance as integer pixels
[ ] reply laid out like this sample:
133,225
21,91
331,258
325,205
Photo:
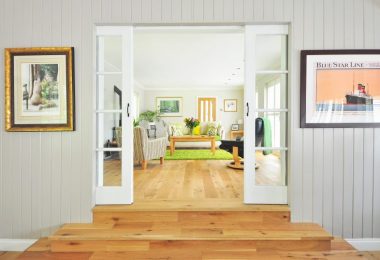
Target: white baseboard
15,244
365,244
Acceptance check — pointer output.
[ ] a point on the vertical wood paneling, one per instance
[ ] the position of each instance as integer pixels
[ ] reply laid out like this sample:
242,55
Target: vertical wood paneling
307,160
228,10
296,174
269,10
166,10
86,122
358,183
369,28
278,12
76,137
337,182
198,10
376,182
318,159
126,10
348,181
116,10
136,11
368,171
258,10
187,10
238,10
218,10
288,10
66,171
307,178
106,11
328,181
208,7
376,177
176,11
146,10
248,10
156,10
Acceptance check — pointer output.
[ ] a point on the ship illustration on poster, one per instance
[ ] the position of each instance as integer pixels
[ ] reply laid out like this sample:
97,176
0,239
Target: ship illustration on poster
358,99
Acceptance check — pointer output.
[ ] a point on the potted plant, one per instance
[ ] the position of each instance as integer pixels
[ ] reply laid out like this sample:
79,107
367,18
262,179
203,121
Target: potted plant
149,116
190,123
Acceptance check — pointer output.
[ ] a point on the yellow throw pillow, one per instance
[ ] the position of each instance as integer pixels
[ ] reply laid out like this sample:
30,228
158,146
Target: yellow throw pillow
197,130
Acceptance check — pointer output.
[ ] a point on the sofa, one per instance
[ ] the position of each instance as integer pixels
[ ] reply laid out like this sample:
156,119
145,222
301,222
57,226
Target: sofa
180,129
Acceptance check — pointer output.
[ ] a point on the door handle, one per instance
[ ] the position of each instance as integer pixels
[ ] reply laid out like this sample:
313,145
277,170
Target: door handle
128,109
247,109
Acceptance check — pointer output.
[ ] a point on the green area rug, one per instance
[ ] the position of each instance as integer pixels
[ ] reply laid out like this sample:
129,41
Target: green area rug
198,155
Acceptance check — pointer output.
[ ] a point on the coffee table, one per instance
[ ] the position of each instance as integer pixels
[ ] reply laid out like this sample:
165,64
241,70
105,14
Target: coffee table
192,138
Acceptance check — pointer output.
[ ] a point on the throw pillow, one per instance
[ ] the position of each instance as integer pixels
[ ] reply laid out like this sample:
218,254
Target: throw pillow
212,131
197,130
174,131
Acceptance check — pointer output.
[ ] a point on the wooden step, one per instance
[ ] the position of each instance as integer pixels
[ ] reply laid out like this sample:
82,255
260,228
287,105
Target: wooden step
340,249
186,211
145,236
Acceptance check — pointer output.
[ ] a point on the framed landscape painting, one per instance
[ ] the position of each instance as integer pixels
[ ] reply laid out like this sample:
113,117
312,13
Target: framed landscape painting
169,106
340,88
39,89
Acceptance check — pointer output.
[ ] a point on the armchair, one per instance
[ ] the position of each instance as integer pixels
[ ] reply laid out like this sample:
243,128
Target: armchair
147,149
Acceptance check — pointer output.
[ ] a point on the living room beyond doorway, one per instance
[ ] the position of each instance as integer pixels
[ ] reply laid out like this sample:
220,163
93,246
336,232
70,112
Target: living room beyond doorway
186,104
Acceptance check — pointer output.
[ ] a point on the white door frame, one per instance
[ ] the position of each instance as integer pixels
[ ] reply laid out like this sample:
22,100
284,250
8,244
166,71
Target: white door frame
258,194
252,193
122,194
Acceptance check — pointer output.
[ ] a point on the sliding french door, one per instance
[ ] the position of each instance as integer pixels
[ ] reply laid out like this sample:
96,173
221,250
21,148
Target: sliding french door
265,94
114,131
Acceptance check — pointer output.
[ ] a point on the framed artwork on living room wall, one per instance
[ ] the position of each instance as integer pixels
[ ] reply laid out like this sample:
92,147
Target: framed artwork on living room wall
340,88
169,106
230,105
39,89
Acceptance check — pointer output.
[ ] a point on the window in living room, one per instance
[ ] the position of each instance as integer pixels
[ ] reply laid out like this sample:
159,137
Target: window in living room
206,109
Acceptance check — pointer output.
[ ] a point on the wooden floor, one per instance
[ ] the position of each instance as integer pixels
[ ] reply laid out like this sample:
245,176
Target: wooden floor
192,179
339,250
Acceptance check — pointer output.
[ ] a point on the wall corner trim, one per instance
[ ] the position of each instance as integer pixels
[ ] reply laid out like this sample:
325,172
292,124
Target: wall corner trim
15,244
365,244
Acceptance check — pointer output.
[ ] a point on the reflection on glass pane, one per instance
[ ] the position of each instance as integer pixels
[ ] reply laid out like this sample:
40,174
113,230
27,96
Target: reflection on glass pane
109,91
271,52
271,91
109,56
271,129
109,130
109,166
271,168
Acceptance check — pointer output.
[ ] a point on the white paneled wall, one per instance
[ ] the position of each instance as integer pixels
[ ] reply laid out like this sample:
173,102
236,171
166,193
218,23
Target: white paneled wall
46,178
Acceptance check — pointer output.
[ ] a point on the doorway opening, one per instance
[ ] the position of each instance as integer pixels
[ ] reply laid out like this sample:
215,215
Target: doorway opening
169,113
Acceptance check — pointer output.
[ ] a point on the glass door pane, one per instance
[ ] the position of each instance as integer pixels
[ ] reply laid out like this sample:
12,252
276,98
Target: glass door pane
114,146
265,134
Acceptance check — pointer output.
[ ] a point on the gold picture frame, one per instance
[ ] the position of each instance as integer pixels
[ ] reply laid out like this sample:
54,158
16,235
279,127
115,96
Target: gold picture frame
230,105
39,89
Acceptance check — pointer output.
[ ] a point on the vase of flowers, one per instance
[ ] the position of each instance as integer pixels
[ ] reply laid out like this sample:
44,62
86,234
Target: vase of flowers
190,123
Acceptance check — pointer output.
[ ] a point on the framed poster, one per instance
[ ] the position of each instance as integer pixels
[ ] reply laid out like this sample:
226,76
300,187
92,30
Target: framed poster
169,106
39,89
230,105
340,88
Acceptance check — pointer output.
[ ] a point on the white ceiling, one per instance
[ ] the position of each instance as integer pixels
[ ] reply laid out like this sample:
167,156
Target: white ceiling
177,58
189,59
